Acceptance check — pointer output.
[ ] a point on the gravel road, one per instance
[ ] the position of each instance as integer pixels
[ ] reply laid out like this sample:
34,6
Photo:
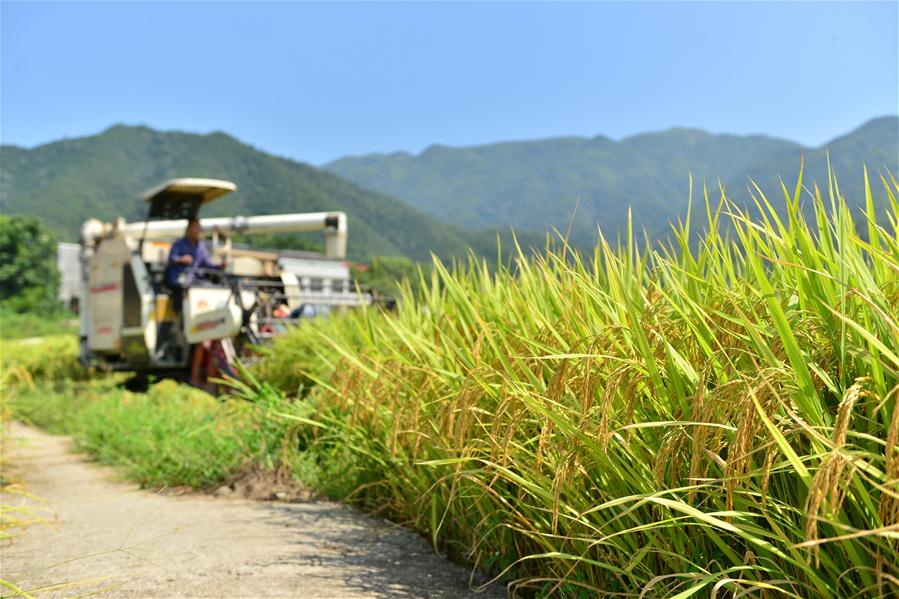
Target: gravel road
112,539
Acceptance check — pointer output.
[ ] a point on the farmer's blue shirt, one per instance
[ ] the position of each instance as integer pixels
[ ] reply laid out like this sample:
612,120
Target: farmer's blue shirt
183,247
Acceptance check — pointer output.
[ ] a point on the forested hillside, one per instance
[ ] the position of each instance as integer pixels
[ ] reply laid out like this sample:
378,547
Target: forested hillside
450,199
102,176
535,184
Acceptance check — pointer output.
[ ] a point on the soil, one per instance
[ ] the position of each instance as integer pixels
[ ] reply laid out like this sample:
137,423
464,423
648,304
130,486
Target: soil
108,538
251,482
266,485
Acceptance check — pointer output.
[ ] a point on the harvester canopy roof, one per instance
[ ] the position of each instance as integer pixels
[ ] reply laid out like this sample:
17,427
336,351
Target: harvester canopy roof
181,198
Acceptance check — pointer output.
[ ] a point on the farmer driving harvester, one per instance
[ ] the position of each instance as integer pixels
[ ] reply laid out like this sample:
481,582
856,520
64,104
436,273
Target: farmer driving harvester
188,258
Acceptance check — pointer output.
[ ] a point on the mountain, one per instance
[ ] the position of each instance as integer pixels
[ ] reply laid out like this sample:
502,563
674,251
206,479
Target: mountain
537,184
875,144
101,176
447,196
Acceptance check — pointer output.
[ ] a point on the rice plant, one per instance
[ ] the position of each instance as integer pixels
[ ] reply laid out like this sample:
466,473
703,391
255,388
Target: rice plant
716,415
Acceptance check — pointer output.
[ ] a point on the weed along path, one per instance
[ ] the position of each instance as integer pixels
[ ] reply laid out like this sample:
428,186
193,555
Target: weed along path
112,539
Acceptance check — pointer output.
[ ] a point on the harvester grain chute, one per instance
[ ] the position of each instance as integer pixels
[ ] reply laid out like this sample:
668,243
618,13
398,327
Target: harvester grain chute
134,319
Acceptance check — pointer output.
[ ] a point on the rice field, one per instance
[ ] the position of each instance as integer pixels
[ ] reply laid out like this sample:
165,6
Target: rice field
716,416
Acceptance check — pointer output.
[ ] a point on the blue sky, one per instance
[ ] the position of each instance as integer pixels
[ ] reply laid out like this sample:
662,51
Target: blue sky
318,81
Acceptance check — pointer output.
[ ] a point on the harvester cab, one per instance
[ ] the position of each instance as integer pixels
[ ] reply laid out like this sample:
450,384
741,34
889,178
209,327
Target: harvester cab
136,316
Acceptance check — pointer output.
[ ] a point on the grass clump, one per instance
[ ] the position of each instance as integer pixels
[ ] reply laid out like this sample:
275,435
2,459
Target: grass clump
719,414
21,325
52,359
173,435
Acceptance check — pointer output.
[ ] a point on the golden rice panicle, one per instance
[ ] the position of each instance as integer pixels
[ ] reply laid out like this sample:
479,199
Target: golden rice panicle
889,495
713,415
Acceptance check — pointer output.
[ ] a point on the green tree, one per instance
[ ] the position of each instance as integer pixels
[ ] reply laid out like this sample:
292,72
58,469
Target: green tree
29,277
386,273
280,241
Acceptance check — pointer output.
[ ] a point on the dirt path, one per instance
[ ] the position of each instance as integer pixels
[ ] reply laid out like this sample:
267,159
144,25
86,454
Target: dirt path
120,541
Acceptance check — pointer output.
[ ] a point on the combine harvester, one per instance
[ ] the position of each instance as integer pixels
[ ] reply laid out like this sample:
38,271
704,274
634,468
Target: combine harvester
132,320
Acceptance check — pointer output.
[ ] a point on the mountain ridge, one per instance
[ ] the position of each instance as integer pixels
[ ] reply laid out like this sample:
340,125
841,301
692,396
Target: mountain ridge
67,181
534,185
673,128
531,186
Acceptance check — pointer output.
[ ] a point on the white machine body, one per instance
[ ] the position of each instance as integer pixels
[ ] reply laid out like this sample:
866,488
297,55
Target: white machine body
211,313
